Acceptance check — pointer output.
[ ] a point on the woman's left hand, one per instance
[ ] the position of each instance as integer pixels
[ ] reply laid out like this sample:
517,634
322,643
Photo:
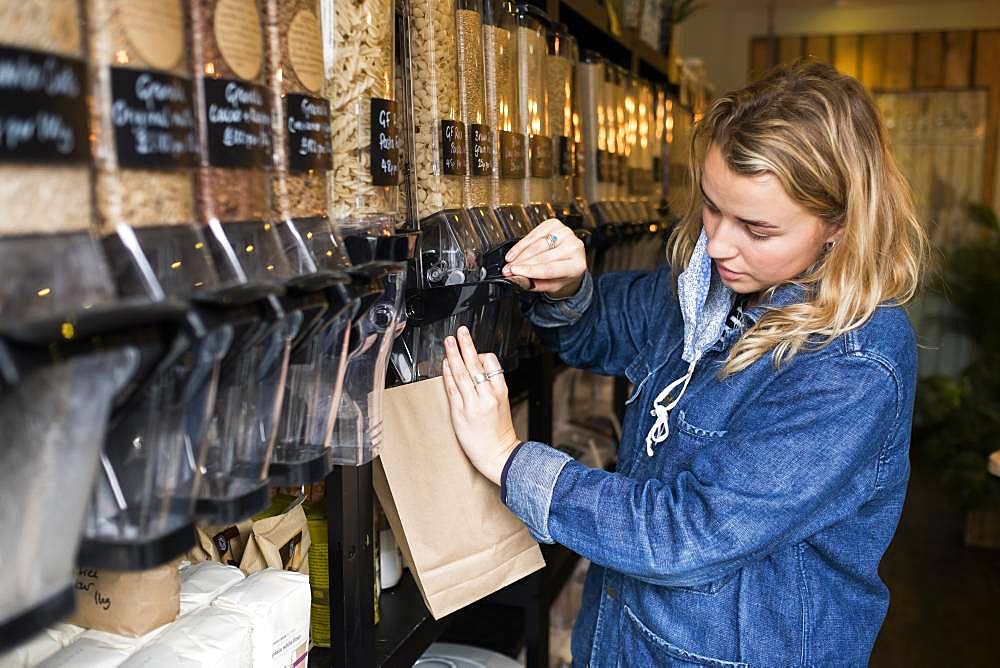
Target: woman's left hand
480,411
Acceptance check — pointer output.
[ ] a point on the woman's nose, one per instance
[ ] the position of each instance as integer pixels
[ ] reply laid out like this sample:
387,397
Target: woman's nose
722,240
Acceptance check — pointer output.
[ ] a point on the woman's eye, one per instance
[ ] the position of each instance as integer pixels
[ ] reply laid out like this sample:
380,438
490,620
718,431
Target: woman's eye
756,235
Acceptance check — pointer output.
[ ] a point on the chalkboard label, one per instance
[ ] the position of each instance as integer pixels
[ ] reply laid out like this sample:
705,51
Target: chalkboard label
43,109
620,169
512,155
153,119
307,128
384,150
579,168
453,156
603,166
541,157
565,157
657,168
239,124
480,150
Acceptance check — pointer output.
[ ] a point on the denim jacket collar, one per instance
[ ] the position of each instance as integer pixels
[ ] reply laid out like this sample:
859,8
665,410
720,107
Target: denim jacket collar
783,295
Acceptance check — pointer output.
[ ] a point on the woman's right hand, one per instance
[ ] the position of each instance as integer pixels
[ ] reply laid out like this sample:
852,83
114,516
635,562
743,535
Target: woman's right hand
552,257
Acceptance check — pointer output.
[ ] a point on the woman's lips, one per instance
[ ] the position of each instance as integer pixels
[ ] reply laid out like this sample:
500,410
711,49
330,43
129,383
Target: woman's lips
727,274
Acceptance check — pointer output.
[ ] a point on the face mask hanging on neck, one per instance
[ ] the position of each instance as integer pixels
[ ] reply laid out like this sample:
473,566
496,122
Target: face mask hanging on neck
705,303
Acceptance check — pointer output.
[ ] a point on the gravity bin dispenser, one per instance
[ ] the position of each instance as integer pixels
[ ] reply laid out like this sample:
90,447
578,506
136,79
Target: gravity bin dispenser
70,348
456,273
363,199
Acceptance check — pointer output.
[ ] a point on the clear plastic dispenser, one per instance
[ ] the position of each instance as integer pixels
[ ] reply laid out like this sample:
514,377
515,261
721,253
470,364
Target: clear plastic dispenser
594,160
319,287
503,116
562,60
532,52
145,151
69,348
360,62
229,51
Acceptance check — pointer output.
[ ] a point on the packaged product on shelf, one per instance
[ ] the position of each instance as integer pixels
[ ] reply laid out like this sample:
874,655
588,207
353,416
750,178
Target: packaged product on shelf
532,50
203,582
45,179
127,603
277,603
98,649
358,56
229,57
503,116
559,102
210,636
40,647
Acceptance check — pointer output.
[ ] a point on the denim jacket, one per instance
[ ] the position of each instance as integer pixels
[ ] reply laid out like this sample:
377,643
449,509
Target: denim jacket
752,536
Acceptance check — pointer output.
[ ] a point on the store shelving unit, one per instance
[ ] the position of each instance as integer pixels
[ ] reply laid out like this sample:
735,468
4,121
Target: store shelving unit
406,628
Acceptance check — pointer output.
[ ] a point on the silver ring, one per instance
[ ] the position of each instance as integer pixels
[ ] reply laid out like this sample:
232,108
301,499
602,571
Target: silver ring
479,378
552,240
494,374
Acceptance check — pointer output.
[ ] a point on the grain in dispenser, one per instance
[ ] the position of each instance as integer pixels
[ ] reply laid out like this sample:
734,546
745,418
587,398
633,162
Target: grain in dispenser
503,115
532,50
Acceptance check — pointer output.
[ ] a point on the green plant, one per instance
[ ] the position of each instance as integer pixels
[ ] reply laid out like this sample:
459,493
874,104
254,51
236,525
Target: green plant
957,420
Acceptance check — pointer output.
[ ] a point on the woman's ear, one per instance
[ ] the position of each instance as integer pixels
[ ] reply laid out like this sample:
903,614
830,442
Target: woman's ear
836,235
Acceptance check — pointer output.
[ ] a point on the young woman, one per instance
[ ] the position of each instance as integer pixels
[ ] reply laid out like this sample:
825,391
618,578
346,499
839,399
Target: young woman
764,460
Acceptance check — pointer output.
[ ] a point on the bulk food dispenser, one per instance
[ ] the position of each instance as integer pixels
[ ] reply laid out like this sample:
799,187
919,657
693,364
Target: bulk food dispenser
319,284
563,56
229,54
452,248
69,348
503,116
532,51
491,322
359,61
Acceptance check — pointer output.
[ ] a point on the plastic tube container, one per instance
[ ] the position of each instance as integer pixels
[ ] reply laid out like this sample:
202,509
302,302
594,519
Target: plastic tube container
45,182
451,247
590,96
229,59
358,62
472,103
503,115
532,50
559,82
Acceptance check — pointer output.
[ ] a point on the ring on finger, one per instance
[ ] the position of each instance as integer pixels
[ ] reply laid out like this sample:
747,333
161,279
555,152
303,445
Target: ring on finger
479,378
552,240
494,374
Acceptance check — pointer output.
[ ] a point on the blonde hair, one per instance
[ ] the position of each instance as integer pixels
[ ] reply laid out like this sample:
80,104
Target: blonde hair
819,133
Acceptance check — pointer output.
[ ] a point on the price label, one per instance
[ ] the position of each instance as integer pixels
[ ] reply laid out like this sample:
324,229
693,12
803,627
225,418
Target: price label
153,119
480,150
453,156
512,155
307,131
43,108
541,157
384,147
239,124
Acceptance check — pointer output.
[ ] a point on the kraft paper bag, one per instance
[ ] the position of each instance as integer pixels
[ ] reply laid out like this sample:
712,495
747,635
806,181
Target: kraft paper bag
458,539
127,603
280,541
222,543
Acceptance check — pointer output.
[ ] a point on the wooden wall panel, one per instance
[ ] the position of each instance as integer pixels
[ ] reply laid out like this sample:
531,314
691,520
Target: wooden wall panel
873,59
760,56
789,49
897,73
819,47
957,58
845,54
929,60
987,75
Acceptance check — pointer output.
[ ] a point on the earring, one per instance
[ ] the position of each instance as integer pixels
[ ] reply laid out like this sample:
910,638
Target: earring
828,246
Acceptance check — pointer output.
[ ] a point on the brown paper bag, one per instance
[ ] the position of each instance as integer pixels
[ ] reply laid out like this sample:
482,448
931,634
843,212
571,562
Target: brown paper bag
459,541
127,603
280,542
224,543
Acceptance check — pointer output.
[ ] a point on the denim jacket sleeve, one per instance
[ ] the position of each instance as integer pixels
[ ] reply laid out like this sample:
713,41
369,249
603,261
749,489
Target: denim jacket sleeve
605,325
793,464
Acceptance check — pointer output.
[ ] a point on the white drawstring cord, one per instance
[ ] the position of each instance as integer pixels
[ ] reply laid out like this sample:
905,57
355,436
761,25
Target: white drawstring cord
661,428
